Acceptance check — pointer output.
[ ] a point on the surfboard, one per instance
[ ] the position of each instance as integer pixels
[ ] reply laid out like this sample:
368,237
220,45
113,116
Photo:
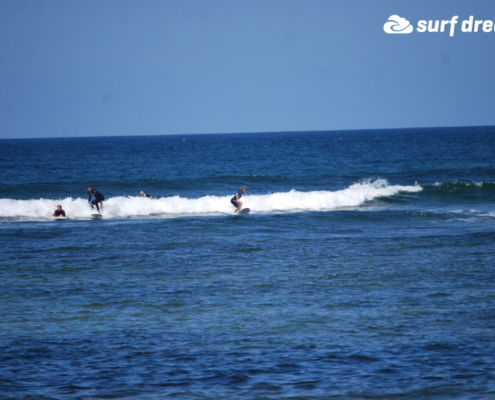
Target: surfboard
59,218
96,216
243,211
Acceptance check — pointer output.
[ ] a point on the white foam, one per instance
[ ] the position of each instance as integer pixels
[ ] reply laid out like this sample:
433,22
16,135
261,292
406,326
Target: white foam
140,207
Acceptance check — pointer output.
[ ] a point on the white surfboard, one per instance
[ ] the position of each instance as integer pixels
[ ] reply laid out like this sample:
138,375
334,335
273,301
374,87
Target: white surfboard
96,216
243,211
60,218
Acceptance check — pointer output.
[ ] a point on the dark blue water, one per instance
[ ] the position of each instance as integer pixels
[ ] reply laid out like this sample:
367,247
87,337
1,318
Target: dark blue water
364,270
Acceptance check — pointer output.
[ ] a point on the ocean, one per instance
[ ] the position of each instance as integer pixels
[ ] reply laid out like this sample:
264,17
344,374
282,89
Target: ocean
365,269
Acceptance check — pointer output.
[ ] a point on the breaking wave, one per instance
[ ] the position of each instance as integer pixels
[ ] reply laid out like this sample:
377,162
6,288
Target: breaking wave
139,207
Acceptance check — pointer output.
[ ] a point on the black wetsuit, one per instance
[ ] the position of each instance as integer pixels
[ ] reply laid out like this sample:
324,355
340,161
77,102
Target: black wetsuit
98,198
152,196
234,199
58,213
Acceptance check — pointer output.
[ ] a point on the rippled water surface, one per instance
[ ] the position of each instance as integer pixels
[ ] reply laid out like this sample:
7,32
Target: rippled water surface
388,298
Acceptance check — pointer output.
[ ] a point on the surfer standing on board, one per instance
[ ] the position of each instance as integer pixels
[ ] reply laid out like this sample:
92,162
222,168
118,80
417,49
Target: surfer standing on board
98,198
235,200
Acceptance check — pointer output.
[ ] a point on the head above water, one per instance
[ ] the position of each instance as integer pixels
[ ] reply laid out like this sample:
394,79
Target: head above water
243,189
90,187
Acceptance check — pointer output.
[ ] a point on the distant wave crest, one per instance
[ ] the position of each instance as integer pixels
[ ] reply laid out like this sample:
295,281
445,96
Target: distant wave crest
459,187
139,207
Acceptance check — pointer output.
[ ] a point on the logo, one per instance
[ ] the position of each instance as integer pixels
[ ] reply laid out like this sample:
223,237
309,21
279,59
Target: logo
396,24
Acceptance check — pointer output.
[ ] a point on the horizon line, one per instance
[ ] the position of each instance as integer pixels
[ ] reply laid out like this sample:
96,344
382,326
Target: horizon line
250,133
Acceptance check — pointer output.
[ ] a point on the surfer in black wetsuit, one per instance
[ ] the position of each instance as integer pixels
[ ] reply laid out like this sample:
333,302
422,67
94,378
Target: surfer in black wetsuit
98,198
59,212
235,200
151,196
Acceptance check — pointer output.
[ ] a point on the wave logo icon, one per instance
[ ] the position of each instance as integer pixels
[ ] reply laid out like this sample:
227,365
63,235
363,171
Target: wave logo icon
396,24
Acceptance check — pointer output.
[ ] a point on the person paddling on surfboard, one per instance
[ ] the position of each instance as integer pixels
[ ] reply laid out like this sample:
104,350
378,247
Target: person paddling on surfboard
235,200
59,212
98,198
152,196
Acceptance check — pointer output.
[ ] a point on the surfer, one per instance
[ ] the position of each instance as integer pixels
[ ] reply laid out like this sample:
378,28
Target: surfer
59,212
98,198
235,200
151,196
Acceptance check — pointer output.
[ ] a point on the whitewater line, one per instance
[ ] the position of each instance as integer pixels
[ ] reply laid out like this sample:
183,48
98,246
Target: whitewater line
125,207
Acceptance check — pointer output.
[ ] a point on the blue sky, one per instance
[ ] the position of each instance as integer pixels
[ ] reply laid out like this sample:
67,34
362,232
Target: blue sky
129,67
